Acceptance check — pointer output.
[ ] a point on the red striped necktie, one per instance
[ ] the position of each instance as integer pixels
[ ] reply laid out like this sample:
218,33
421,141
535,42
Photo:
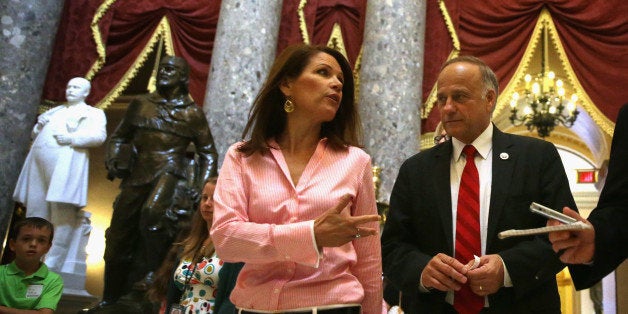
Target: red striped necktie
468,230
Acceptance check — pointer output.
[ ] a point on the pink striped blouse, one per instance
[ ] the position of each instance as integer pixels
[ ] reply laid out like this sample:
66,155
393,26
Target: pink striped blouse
262,219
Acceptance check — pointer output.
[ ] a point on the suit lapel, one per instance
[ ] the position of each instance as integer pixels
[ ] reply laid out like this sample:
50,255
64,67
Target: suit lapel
441,174
505,155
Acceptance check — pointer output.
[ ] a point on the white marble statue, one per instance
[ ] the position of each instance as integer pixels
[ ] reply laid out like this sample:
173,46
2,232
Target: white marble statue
53,181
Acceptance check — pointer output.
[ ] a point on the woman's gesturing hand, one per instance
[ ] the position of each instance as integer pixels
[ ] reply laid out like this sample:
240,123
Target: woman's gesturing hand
333,229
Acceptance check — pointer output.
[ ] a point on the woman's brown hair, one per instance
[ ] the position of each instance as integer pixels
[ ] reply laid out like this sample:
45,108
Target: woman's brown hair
189,248
267,119
199,231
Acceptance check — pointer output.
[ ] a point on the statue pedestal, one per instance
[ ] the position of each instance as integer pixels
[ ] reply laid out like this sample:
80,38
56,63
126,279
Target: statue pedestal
74,284
73,271
72,303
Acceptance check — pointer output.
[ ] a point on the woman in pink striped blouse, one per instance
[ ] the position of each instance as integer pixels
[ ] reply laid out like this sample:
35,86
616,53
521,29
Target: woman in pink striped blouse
295,201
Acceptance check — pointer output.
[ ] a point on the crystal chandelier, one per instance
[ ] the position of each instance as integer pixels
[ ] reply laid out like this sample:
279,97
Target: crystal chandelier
543,99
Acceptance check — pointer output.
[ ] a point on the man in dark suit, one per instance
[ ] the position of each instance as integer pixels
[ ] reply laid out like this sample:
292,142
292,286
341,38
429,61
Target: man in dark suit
514,275
604,247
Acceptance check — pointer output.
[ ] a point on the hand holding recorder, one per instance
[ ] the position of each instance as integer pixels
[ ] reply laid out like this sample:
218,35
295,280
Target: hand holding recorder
565,223
577,246
572,236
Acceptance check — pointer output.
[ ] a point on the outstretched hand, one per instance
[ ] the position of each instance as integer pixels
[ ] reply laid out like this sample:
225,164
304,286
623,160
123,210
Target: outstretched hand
332,229
578,246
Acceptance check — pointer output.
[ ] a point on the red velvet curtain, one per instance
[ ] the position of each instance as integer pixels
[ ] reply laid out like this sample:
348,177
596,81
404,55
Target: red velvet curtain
74,50
319,17
438,47
126,28
594,34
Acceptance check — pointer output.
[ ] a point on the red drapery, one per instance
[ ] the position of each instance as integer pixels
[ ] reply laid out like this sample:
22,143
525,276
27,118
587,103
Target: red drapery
74,49
124,29
319,17
594,35
439,45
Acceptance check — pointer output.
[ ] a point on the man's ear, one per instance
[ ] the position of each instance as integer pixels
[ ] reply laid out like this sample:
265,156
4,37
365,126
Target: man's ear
12,244
491,100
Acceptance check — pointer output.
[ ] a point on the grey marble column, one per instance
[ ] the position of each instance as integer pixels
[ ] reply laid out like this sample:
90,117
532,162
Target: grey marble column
390,84
28,29
244,50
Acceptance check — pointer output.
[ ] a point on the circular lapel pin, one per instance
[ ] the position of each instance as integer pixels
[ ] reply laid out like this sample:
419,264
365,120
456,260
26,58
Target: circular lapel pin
504,156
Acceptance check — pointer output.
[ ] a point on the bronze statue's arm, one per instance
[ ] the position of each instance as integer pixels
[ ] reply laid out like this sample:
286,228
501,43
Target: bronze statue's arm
119,150
206,150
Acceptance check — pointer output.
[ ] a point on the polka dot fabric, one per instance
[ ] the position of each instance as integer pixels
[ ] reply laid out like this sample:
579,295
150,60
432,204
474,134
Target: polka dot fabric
200,294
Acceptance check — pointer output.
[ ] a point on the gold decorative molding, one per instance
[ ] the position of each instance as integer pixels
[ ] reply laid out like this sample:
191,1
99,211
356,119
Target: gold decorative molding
563,137
450,25
336,41
162,31
302,24
600,119
382,207
152,81
427,141
100,46
504,99
356,74
431,98
165,37
427,107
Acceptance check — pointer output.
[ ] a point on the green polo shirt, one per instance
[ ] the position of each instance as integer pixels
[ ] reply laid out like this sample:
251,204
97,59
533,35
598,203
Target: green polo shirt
41,290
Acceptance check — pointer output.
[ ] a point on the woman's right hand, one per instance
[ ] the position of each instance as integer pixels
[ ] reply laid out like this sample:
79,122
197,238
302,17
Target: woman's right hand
332,229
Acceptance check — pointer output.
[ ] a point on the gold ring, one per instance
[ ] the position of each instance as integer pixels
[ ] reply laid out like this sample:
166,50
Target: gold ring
480,288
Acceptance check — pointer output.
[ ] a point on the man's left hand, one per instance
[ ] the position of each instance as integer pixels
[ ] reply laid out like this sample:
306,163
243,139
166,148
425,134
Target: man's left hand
488,277
578,246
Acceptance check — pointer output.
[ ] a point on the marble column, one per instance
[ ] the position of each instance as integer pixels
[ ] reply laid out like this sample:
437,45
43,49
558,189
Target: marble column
28,29
390,84
244,50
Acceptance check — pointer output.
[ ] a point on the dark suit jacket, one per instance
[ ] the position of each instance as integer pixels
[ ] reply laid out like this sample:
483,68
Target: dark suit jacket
419,224
610,217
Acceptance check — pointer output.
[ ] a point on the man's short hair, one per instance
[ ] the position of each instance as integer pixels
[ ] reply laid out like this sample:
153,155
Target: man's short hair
488,76
35,222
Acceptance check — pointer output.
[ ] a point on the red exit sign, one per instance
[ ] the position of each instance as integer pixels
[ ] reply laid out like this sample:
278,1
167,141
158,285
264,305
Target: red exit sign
587,175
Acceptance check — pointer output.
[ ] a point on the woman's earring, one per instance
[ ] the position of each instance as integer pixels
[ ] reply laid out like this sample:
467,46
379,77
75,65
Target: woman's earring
288,106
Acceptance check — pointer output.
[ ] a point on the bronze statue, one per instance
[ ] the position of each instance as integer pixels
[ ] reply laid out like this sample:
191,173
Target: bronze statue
148,151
